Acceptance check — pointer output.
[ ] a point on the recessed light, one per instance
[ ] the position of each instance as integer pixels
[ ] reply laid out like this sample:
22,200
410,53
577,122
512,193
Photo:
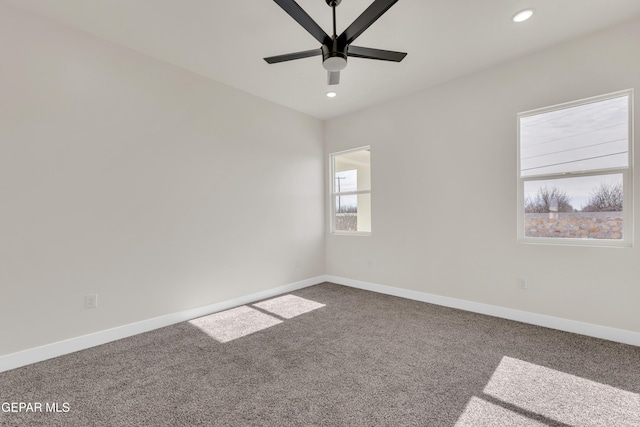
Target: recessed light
523,15
331,94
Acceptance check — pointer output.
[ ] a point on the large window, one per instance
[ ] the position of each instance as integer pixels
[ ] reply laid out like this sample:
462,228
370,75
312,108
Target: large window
575,172
351,192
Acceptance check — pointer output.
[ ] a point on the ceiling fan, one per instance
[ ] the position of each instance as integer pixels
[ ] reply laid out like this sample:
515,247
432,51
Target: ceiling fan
335,49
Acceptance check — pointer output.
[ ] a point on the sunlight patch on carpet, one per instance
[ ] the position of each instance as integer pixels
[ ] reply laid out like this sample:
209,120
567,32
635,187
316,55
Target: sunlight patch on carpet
235,323
562,397
288,306
480,413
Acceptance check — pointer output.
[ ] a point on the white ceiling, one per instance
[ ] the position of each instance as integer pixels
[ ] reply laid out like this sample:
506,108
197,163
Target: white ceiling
226,40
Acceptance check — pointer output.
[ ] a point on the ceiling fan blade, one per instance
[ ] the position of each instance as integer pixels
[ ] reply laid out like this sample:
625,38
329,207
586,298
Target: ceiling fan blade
302,18
292,56
383,55
333,77
364,21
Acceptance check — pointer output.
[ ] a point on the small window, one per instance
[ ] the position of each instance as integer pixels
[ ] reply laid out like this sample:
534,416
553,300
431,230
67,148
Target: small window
575,174
351,192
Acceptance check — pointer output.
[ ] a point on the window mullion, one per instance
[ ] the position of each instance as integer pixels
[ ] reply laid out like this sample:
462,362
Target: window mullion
352,193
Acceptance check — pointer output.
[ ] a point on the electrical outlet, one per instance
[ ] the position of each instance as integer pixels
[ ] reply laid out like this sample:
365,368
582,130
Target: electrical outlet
91,301
522,284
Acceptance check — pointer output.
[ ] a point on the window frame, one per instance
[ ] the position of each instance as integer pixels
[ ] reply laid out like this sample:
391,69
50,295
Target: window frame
333,193
627,179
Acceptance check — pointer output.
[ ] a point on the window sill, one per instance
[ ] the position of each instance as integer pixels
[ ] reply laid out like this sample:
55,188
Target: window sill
550,241
351,233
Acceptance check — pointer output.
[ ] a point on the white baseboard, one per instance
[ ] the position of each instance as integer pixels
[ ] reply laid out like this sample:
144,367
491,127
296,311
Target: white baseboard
589,329
38,354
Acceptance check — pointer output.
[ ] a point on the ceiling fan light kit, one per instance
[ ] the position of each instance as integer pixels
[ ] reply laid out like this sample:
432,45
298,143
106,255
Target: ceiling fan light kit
336,49
334,58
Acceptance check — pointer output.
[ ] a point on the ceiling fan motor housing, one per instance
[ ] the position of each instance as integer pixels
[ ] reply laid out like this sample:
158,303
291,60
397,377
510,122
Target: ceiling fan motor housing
334,55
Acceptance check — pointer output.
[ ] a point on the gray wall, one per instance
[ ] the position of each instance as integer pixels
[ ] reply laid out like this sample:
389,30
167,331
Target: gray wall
153,187
444,189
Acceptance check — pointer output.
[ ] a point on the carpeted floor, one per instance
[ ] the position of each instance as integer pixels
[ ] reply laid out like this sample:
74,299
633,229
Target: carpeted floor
329,355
